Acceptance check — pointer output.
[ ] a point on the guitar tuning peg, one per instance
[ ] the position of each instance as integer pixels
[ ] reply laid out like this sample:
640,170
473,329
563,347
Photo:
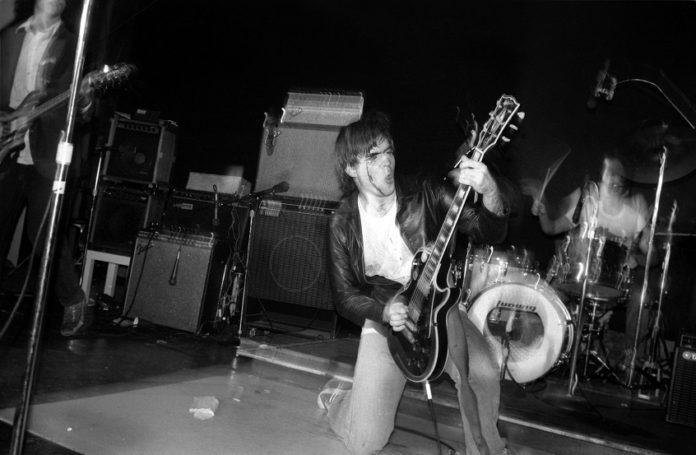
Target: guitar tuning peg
520,116
505,139
513,127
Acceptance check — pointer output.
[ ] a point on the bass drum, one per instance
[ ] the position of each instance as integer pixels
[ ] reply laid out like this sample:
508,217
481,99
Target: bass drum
527,326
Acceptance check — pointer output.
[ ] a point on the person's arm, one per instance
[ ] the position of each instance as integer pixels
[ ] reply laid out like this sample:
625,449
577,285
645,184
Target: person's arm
563,223
487,222
350,301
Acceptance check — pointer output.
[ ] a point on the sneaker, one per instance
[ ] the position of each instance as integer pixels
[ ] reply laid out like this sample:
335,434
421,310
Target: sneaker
76,318
332,390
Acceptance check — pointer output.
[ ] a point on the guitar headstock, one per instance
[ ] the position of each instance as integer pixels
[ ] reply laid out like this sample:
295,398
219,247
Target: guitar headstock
505,114
110,76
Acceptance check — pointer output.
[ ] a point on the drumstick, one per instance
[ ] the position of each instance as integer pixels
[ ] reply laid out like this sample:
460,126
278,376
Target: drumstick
550,173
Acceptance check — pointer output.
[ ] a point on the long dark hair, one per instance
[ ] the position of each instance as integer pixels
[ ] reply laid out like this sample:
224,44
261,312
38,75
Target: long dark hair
355,141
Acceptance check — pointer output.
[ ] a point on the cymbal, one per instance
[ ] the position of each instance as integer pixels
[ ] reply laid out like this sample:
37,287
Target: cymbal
640,153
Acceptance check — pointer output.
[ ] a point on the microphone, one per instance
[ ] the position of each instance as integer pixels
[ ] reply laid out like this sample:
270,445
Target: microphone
216,220
175,269
513,329
604,86
281,187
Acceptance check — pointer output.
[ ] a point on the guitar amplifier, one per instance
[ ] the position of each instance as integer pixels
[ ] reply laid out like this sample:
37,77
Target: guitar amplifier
174,279
140,151
122,209
298,148
193,212
289,254
681,402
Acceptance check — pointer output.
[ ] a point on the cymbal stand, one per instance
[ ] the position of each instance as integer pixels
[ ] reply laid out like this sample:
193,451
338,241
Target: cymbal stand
648,259
589,234
651,363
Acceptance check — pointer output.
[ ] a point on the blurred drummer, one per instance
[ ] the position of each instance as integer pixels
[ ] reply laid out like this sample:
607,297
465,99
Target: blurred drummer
613,210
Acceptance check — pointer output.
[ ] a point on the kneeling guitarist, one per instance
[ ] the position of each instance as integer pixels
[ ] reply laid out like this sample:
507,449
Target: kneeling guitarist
382,222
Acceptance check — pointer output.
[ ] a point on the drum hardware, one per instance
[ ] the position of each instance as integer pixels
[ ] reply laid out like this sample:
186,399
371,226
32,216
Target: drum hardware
645,152
651,368
593,339
648,261
572,380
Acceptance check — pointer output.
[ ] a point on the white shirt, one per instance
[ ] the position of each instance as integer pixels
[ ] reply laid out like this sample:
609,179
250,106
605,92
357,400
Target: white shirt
27,78
624,226
384,251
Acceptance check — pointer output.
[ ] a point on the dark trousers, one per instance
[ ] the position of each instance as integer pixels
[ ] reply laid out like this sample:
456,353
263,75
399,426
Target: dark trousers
22,186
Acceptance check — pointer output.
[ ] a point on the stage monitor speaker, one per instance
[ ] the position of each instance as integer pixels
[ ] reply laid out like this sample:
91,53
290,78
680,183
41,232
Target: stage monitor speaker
301,155
288,257
681,402
140,151
174,280
120,212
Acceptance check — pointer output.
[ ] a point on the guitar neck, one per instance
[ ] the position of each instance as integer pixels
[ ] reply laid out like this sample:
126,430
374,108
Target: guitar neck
443,238
48,105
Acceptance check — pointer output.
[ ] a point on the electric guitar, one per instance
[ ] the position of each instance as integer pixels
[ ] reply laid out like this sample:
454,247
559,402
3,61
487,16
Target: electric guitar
14,125
421,354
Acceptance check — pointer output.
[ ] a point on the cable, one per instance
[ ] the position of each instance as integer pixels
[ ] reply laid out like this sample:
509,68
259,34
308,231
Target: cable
127,309
450,448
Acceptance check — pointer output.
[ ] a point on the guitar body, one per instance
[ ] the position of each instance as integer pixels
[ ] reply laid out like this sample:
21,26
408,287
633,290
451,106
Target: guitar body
421,355
15,124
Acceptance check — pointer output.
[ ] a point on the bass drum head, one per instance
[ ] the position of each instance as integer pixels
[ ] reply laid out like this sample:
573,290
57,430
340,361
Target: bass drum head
531,320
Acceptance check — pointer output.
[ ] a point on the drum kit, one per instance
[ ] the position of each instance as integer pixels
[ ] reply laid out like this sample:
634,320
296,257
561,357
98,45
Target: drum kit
536,324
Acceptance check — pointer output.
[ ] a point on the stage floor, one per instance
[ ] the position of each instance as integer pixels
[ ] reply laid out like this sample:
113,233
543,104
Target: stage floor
129,390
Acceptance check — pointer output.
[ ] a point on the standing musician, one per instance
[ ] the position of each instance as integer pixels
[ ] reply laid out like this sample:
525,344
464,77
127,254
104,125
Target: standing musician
381,222
36,62
619,214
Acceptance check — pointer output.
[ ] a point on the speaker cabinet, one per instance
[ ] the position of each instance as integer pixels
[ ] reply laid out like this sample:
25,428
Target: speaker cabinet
174,280
120,212
288,257
140,151
301,155
681,403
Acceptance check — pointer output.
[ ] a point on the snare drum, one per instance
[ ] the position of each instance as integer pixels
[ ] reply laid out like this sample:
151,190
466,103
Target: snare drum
527,326
608,274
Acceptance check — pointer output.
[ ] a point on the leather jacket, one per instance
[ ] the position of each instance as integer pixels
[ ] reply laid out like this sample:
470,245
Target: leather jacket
422,206
56,69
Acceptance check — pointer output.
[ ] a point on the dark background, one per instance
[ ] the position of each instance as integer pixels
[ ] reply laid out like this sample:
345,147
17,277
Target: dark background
215,67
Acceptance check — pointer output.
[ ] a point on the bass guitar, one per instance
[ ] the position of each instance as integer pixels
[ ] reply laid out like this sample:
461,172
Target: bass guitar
14,125
421,353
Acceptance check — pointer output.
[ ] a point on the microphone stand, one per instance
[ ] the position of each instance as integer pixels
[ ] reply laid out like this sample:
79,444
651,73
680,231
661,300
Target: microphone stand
253,207
92,209
63,160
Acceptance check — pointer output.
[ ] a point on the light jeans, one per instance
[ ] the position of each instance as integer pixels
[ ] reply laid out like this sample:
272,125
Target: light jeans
364,417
